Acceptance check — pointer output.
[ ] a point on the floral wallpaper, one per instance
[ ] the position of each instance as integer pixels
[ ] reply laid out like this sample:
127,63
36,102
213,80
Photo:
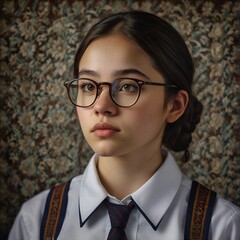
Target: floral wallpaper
40,139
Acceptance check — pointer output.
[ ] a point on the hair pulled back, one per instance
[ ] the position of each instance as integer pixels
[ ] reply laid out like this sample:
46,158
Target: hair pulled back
170,57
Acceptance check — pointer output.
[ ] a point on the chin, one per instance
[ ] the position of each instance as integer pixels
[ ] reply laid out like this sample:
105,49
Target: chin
104,148
107,152
109,148
104,153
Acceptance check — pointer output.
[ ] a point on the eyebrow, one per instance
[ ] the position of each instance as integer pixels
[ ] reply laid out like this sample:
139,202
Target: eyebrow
88,72
130,71
117,73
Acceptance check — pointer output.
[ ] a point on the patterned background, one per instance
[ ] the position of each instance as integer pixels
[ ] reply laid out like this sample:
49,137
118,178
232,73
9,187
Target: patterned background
40,137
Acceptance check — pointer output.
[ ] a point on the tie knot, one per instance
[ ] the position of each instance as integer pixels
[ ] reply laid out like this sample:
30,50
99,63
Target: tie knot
119,214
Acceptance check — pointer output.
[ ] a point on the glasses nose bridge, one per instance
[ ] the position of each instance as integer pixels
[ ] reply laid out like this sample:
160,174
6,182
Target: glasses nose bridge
99,87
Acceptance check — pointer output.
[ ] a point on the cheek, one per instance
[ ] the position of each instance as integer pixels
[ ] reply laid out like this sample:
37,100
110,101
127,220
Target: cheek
79,114
82,117
147,118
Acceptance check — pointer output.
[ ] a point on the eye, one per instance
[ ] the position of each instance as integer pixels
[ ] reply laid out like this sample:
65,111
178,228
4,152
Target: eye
128,86
87,86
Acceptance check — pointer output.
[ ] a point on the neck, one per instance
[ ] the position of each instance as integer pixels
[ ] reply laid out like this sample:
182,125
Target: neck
123,175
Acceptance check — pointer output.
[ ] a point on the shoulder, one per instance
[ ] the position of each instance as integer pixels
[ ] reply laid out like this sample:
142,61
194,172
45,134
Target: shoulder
223,207
39,200
226,209
225,220
28,221
37,203
34,207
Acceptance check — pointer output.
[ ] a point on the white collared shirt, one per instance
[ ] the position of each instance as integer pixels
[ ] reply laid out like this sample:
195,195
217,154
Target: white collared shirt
160,212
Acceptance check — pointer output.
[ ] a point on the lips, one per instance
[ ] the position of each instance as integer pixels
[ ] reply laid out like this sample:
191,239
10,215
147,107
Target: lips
104,129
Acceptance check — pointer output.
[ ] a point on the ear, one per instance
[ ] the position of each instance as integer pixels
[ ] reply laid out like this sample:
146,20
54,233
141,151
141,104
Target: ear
177,106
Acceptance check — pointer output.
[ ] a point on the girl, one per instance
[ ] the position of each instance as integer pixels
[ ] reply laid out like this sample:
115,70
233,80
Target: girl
132,91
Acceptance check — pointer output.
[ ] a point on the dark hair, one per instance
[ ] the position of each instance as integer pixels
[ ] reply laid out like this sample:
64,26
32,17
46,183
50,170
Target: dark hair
170,57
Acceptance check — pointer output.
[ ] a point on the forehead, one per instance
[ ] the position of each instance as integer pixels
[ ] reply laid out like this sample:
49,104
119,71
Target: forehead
115,50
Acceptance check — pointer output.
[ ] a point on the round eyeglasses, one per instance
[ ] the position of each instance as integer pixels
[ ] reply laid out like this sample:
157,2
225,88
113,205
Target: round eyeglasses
124,92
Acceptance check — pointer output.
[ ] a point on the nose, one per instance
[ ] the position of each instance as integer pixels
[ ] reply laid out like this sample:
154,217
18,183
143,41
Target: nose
104,104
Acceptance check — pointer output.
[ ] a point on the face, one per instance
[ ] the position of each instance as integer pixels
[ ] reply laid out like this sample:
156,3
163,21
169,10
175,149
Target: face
112,130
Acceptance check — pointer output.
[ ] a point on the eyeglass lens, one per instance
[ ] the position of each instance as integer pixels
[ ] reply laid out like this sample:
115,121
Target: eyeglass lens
84,92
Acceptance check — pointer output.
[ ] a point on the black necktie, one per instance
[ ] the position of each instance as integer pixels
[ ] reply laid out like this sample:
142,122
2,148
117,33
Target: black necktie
119,215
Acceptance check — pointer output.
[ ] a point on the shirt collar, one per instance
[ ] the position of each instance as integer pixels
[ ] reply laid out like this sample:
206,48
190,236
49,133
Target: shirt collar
152,199
155,196
92,193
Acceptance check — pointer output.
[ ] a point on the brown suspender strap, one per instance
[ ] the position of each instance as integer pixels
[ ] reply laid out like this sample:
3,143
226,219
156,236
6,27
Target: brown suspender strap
54,212
199,212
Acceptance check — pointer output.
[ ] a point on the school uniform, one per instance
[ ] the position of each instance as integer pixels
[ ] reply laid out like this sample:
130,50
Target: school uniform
159,212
